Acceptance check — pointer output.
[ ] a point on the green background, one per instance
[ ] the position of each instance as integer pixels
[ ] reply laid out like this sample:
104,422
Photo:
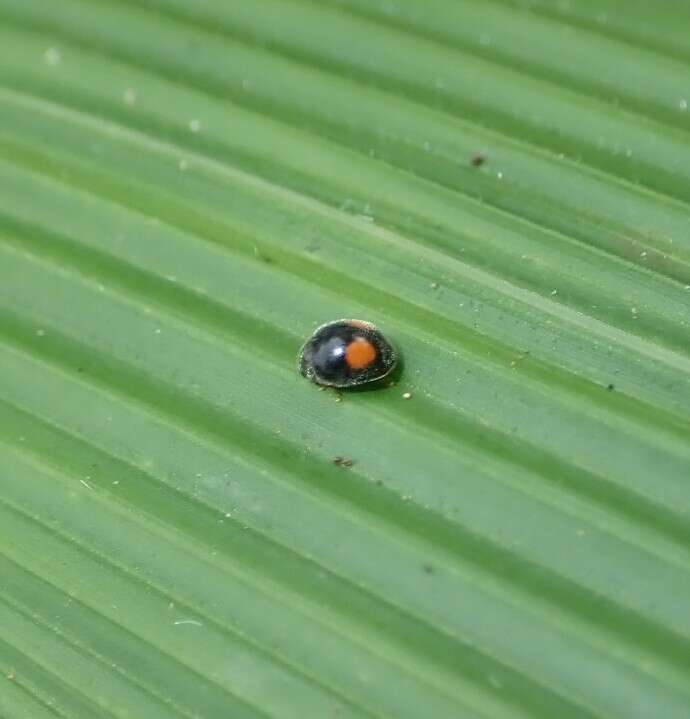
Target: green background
186,190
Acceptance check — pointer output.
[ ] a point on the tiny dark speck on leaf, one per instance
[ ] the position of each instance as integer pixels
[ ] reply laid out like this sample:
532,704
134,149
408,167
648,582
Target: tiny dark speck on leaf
342,461
261,256
80,369
428,568
610,387
478,159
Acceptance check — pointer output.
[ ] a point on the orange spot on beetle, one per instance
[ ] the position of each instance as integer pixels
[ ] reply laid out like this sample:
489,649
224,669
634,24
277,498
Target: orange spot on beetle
360,353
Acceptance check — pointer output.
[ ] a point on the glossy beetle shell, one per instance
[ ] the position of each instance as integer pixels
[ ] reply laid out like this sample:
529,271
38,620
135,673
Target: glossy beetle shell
347,353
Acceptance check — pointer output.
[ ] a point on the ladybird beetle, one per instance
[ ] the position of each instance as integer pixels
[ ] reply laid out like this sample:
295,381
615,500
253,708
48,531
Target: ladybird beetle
347,353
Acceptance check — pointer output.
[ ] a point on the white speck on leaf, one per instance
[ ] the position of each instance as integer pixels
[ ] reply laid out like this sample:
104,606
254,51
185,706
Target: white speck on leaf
52,56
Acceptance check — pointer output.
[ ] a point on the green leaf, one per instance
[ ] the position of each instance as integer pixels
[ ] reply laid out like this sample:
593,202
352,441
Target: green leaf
188,189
